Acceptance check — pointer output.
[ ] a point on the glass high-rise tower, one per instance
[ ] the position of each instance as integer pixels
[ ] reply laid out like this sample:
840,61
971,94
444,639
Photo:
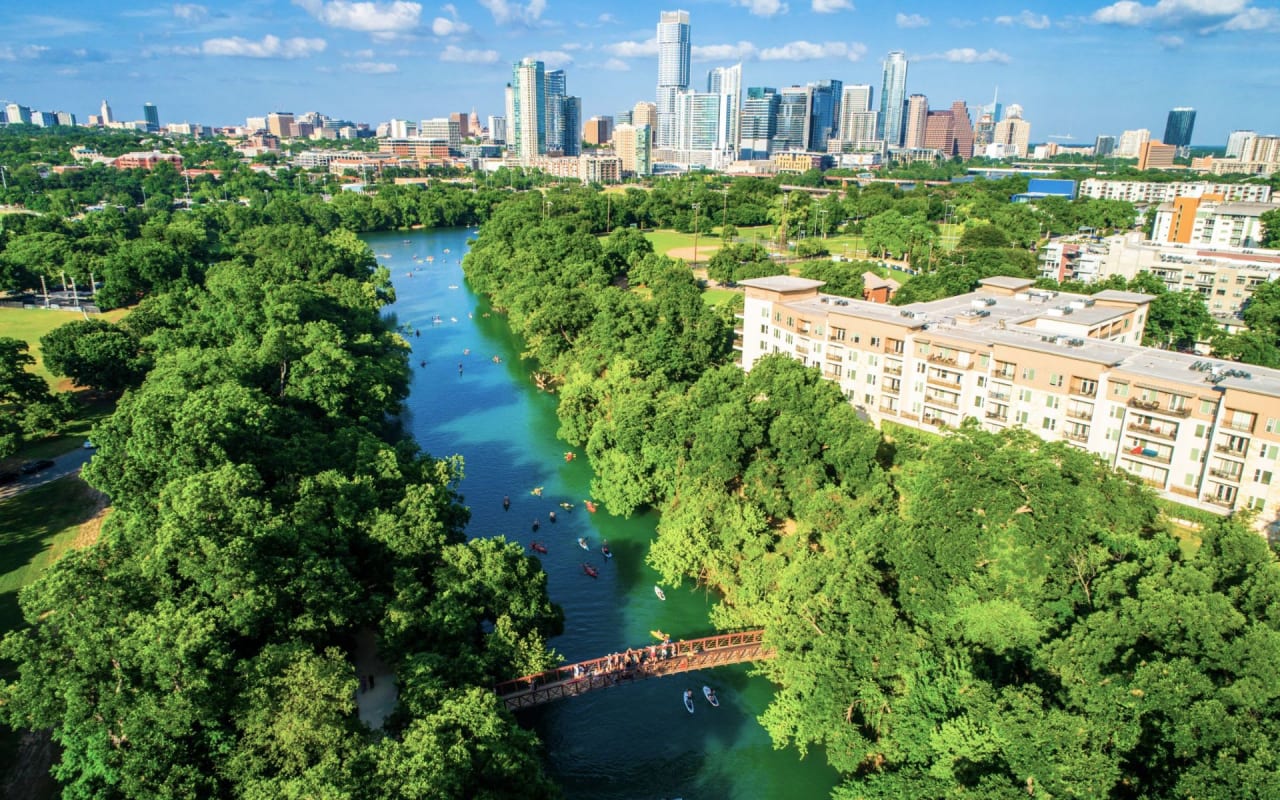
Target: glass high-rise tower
1177,129
673,71
893,99
528,123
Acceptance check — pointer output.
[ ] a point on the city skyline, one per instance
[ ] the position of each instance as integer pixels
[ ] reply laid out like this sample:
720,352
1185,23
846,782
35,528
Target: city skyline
1072,66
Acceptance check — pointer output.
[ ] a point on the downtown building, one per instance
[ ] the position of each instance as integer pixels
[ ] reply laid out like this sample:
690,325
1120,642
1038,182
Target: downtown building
674,47
1066,367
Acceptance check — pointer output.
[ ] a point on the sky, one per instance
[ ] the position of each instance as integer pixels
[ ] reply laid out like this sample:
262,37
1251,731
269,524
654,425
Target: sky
1079,69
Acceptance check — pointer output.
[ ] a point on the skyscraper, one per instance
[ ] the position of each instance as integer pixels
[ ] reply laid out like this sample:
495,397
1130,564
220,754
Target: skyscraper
893,99
1104,146
557,90
824,113
1013,132
571,126
727,82
673,71
1178,127
759,123
152,116
107,119
644,113
792,129
917,118
857,120
528,109
1238,141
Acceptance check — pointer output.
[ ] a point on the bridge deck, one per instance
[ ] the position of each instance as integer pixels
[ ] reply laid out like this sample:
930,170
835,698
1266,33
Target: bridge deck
650,661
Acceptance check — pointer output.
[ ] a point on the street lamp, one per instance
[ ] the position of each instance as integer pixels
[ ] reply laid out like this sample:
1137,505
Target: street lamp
696,206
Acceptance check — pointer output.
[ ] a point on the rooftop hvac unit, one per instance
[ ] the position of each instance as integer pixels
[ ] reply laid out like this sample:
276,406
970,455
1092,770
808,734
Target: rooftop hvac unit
907,314
1076,342
991,301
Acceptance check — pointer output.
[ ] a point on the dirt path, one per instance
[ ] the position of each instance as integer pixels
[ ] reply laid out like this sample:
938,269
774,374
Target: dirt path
705,251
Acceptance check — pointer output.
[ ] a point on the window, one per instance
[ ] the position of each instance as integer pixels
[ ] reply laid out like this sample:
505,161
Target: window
1195,454
1256,503
1051,401
1121,390
777,333
871,379
1272,451
1189,479
977,402
984,360
1055,379
1112,434
1262,476
869,398
837,334
764,312
1273,425
1024,395
1117,412
777,316
1028,374
1200,431
920,367
1048,424
875,341
1022,417
791,322
818,329
817,349
1206,408
790,339
982,381
764,328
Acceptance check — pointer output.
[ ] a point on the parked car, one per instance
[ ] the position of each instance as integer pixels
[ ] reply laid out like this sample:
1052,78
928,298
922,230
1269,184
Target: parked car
32,467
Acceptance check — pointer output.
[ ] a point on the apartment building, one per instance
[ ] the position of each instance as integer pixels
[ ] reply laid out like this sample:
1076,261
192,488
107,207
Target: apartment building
1208,221
1152,192
1226,276
1067,367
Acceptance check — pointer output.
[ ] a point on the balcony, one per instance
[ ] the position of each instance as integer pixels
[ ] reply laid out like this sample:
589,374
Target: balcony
1080,413
938,380
893,347
1222,502
888,410
1083,391
1147,454
831,375
1076,436
1242,427
802,350
1004,374
1152,482
1226,474
836,357
935,420
996,416
1184,491
737,344
892,370
1150,430
1153,405
910,416
941,401
1230,450
889,388
1002,396
935,358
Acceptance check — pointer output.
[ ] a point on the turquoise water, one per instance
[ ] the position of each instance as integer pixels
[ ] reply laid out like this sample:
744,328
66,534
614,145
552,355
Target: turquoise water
634,741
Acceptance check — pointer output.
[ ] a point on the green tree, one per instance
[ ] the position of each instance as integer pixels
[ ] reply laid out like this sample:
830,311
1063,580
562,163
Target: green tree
95,353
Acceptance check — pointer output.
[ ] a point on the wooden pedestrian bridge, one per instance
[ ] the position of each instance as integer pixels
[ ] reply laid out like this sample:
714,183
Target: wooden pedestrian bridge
620,669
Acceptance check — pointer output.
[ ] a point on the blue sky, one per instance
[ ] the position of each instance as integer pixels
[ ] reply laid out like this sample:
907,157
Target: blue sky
1078,68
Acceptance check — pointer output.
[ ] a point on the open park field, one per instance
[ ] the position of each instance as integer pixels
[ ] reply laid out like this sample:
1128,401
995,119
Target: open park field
29,324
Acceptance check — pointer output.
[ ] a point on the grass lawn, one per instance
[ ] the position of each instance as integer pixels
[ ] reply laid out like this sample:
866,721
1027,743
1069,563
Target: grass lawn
29,324
665,240
714,297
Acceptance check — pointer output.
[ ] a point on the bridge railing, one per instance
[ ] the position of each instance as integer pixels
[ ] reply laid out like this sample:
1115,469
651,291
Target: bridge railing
646,658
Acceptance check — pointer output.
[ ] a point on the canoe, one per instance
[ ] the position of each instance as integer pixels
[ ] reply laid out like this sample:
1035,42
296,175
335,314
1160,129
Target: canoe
711,696
658,591
590,506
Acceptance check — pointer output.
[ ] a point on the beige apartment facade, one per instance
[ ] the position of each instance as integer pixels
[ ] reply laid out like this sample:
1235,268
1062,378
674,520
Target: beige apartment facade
1066,367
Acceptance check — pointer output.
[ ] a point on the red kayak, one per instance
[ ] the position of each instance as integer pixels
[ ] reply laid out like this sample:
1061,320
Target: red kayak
590,570
538,547
590,506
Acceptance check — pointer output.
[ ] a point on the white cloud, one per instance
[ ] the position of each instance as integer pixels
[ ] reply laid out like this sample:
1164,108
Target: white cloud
24,53
1170,42
458,55
606,19
616,65
741,51
368,17
1251,19
1028,19
644,49
911,20
269,47
371,67
190,12
553,59
363,55
812,51
504,12
761,8
443,26
967,55
831,6
1174,12
571,47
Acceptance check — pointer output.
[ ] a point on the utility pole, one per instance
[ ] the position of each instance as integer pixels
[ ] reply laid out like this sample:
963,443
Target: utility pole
782,229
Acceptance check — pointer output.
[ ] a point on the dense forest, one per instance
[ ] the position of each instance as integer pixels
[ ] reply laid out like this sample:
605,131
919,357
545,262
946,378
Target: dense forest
980,615
269,526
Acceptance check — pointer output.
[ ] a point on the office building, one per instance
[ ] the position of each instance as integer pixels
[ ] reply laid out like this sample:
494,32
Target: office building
1104,146
673,71
727,82
1238,141
528,117
280,124
1210,221
758,123
644,113
1178,127
1013,133
1260,155
824,113
463,122
1131,142
443,129
855,99
1066,367
917,120
557,89
949,132
597,130
571,122
105,114
984,131
1156,155
792,128
498,129
893,100
152,117
698,115
634,146
16,114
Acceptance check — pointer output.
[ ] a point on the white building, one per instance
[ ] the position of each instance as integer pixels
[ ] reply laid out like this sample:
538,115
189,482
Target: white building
1153,192
1131,142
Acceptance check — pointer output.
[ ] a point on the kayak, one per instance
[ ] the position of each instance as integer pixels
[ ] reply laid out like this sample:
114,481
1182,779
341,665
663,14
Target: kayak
590,570
659,635
708,693
567,506
537,490
583,543
569,456
688,702
658,591
538,547
590,506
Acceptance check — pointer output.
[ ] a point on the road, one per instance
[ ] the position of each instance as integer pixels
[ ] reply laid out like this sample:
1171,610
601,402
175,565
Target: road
63,465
